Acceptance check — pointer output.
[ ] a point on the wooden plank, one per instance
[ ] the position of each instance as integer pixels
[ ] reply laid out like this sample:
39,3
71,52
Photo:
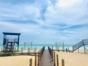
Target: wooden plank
45,60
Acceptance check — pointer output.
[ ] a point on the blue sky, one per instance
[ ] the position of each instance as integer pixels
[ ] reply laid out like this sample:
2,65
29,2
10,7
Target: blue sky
45,21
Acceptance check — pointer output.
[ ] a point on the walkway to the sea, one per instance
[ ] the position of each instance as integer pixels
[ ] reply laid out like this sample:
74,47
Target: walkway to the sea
46,59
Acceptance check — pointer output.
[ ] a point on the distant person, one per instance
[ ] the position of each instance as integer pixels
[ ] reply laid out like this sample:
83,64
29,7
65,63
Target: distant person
66,50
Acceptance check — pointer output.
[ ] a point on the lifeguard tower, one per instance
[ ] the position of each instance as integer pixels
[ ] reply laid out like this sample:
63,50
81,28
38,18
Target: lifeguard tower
8,44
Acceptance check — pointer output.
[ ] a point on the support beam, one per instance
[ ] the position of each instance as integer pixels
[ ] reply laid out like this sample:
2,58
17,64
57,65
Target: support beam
18,43
84,49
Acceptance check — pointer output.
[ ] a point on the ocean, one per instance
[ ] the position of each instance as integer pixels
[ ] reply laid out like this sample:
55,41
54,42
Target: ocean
39,46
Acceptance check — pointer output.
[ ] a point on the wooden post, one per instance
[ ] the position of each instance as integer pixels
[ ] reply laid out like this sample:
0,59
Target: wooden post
30,62
63,62
35,59
57,61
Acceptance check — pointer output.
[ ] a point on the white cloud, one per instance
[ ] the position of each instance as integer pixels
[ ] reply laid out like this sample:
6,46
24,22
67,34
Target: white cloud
69,15
49,30
19,12
68,3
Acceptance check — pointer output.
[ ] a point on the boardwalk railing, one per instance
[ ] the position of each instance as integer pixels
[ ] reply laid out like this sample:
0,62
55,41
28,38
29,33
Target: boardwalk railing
39,56
52,54
50,51
55,58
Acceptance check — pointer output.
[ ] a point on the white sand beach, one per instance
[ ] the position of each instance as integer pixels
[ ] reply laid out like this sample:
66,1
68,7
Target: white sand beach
73,59
16,61
20,60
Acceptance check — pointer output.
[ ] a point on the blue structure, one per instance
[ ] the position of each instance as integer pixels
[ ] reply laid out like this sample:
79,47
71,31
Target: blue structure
84,42
9,44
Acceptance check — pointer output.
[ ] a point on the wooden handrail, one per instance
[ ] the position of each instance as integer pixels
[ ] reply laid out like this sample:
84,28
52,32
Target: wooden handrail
40,53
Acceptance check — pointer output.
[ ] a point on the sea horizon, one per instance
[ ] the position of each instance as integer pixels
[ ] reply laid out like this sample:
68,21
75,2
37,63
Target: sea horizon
39,46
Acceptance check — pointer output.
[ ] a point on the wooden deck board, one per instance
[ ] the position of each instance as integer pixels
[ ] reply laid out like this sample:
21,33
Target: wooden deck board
45,60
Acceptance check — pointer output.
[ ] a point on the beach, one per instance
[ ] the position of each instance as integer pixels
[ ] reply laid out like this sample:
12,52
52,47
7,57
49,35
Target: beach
73,59
19,60
16,60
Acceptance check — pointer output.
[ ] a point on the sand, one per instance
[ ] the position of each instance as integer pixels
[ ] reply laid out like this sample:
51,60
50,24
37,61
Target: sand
20,60
73,59
15,60
30,50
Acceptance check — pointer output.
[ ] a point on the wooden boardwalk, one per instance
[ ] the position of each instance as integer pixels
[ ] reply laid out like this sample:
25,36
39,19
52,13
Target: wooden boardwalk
46,59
